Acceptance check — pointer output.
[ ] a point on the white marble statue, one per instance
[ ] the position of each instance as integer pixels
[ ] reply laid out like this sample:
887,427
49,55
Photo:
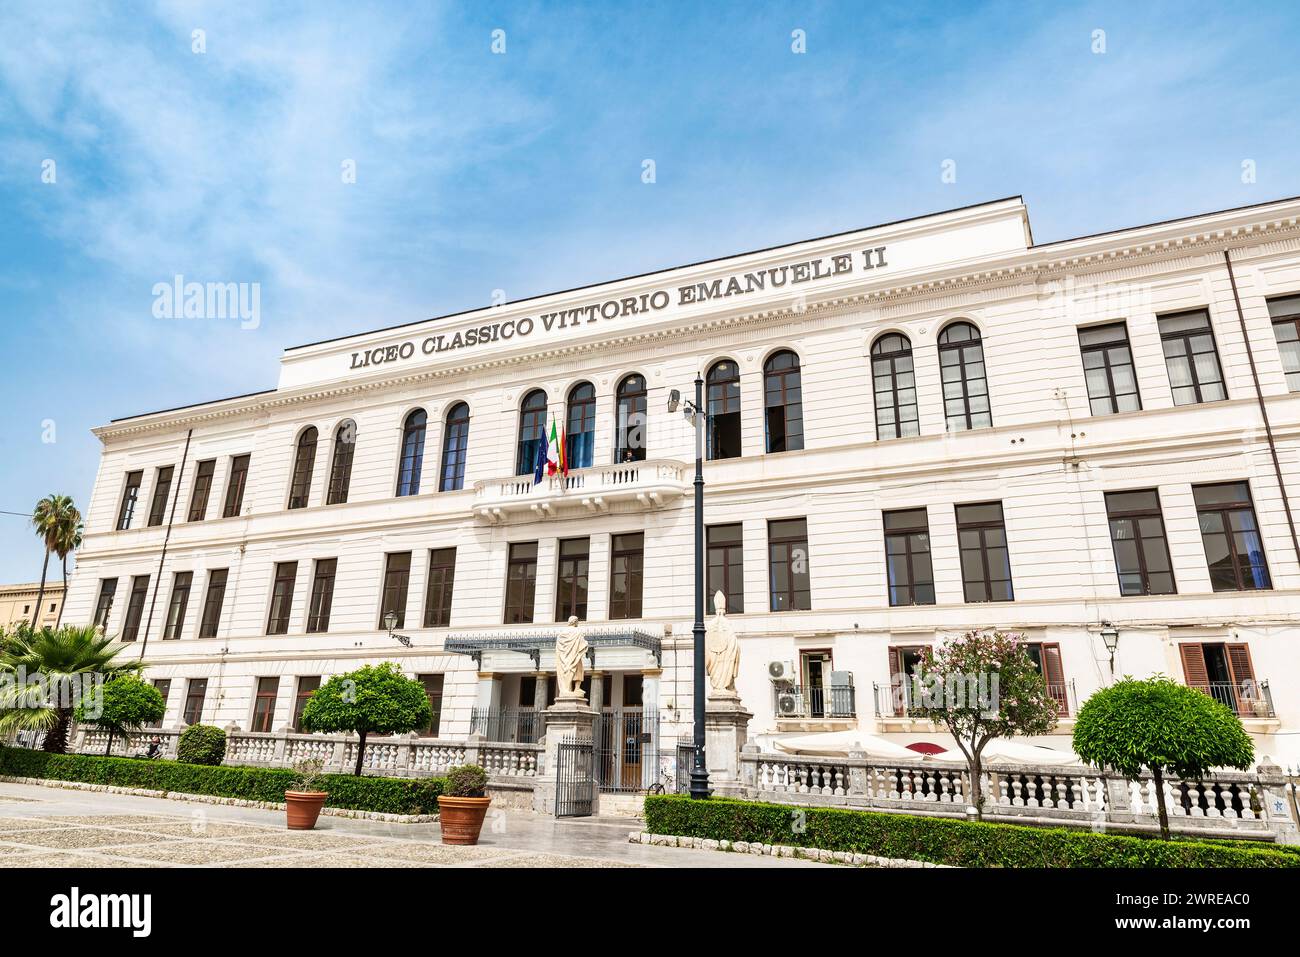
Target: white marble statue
721,651
570,661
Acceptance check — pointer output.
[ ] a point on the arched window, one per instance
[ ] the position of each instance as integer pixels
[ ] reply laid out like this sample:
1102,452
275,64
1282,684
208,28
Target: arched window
580,432
532,431
630,415
303,464
345,443
455,447
895,383
965,384
783,402
408,475
723,403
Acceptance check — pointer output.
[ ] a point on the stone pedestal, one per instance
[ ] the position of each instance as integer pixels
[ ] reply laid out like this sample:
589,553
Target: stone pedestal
567,719
726,729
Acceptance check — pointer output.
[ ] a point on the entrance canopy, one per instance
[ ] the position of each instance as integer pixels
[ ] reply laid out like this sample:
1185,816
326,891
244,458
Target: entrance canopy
531,650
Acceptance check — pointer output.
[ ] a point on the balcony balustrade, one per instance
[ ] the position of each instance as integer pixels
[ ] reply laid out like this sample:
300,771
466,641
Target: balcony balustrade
649,484
1247,699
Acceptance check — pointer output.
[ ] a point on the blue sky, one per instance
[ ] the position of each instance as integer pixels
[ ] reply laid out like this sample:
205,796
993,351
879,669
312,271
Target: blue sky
521,171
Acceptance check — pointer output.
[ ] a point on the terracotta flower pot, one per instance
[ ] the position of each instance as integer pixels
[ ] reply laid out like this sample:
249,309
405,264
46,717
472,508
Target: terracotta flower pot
303,807
461,818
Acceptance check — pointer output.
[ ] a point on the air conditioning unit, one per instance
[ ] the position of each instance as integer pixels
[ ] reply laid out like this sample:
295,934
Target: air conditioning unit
841,679
782,671
788,703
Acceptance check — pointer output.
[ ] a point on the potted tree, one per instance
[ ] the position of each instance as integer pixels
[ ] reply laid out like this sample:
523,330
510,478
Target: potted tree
463,804
303,802
375,699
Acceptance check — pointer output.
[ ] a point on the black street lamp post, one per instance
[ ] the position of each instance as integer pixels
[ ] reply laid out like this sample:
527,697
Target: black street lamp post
699,770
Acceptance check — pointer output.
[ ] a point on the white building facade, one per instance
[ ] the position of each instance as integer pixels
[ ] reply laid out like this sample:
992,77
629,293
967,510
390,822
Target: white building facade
915,430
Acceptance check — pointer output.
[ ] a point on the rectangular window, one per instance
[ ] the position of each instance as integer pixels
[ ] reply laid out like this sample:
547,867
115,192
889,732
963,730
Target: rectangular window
1223,670
264,704
790,584
1285,314
195,692
1108,369
180,602
985,562
135,607
202,490
726,566
626,569
104,605
433,689
438,590
1191,357
212,603
521,582
308,685
164,686
633,690
281,598
571,579
907,557
397,581
322,595
235,486
130,496
162,487
904,665
1046,656
1234,549
1137,534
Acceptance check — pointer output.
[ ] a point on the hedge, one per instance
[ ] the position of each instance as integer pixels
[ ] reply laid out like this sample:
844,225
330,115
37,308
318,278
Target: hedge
939,840
386,795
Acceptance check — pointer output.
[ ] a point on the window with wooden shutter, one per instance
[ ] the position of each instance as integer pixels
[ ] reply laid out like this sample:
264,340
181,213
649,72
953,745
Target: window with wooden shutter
1054,675
896,681
1194,670
1243,673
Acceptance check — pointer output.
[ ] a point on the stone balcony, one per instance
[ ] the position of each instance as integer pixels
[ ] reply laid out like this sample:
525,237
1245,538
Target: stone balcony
645,485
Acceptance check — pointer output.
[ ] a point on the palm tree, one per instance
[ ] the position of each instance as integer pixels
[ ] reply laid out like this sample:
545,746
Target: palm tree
68,540
49,519
64,660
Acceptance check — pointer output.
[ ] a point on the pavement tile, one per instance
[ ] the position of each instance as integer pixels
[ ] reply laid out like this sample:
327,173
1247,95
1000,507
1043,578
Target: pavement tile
528,859
73,838
195,852
66,859
434,853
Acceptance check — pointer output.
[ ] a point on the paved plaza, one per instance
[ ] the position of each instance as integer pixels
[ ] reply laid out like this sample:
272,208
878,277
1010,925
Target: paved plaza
54,827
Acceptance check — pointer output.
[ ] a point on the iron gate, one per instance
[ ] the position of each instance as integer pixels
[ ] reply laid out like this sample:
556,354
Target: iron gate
575,783
623,739
685,762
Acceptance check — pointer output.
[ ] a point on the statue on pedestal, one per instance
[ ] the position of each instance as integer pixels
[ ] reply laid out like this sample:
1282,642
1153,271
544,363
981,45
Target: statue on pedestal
570,661
721,651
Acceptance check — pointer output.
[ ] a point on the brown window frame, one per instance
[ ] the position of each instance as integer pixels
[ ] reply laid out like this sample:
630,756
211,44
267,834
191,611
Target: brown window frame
1134,516
304,466
341,456
532,431
162,489
130,499
282,589
521,583
1186,337
722,398
580,419
104,603
214,597
725,568
626,562
1243,685
434,689
630,419
1108,364
787,543
1224,512
321,603
410,466
135,607
959,347
440,587
395,590
455,448
177,605
572,578
982,527
196,692
164,688
911,556
901,694
202,491
885,370
236,484
780,382
1284,312
301,696
264,704
1052,669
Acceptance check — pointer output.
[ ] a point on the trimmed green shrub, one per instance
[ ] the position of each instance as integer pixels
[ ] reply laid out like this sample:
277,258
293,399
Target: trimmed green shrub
386,795
938,840
466,781
201,744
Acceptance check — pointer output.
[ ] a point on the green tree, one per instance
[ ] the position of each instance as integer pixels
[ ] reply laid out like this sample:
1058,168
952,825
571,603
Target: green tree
48,670
121,705
982,686
50,520
376,699
1164,727
67,540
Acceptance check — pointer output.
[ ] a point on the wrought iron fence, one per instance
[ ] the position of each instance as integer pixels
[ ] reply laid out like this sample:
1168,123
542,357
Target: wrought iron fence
516,726
798,701
902,699
1247,699
623,739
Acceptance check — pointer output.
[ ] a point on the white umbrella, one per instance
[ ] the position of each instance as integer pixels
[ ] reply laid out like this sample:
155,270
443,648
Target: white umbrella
838,744
1016,752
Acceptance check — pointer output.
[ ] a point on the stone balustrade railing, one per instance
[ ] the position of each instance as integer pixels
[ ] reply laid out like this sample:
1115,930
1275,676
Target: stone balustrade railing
402,756
1237,804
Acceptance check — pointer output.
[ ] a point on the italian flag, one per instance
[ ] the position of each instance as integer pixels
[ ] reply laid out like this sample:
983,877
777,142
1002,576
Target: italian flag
561,464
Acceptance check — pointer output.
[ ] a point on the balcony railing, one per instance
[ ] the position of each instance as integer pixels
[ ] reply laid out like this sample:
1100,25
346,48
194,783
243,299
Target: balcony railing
797,701
650,484
901,700
521,725
1247,699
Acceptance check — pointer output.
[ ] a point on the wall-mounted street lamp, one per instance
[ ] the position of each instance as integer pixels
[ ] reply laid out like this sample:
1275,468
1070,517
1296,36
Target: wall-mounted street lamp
1110,638
696,415
390,622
